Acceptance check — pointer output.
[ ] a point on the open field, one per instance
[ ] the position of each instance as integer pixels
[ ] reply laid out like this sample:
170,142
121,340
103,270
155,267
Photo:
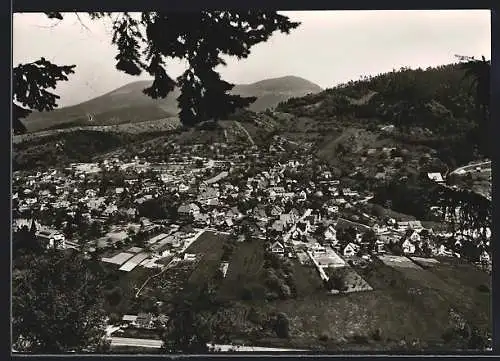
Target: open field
398,261
416,302
206,243
411,302
464,281
209,249
307,280
246,268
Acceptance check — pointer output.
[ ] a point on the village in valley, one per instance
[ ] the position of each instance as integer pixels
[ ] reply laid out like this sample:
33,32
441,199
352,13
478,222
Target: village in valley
272,229
251,181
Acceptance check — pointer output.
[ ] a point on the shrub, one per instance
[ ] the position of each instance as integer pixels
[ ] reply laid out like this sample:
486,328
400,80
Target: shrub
272,281
377,334
324,337
255,317
282,327
114,296
247,294
285,291
483,288
272,296
114,318
360,339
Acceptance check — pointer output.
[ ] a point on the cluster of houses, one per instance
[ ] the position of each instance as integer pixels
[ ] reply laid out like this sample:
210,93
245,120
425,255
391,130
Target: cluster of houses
269,204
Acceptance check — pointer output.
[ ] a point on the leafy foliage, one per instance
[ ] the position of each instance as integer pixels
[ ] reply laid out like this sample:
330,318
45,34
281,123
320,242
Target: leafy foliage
438,99
188,330
30,83
55,305
479,72
200,38
282,326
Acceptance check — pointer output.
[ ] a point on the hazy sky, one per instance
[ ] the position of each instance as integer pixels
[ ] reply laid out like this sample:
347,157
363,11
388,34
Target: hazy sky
330,47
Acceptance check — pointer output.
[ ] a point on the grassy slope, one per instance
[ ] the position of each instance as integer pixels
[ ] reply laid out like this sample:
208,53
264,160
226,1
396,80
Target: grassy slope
393,306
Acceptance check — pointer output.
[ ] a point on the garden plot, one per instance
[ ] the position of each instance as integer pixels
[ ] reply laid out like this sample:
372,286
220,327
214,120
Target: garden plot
209,249
353,281
398,261
330,259
170,282
303,258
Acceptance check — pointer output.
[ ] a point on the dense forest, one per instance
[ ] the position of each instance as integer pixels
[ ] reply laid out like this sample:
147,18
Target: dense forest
431,106
438,99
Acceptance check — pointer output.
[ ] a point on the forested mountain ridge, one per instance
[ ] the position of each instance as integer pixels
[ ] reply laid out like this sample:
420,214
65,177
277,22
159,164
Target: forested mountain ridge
439,99
128,104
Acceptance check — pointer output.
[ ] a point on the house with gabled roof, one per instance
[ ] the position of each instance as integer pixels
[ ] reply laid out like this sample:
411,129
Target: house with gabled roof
277,248
190,209
350,250
330,233
408,246
278,226
276,211
287,218
436,177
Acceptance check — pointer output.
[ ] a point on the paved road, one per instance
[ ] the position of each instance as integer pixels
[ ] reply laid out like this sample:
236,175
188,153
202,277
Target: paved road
136,342
225,348
149,343
470,167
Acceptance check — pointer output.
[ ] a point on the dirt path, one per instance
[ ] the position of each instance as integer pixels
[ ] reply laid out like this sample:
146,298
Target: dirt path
242,128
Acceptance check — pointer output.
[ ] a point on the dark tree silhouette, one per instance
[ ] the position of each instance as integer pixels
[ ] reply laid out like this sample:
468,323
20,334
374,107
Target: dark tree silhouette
479,72
55,305
30,83
282,326
187,329
145,42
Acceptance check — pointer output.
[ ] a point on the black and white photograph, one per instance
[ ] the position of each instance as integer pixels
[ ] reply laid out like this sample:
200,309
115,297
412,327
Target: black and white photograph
237,181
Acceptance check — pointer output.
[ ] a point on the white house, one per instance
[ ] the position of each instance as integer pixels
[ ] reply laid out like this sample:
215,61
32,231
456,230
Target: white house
52,238
415,237
350,250
131,319
189,209
436,177
485,257
331,234
442,251
408,247
277,247
379,244
318,249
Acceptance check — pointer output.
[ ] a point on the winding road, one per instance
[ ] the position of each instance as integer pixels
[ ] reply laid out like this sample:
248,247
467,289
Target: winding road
485,166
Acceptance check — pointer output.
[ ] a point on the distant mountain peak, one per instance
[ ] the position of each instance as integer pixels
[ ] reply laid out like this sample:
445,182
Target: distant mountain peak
128,103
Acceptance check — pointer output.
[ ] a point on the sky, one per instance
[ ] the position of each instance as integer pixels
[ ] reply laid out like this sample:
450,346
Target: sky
329,48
